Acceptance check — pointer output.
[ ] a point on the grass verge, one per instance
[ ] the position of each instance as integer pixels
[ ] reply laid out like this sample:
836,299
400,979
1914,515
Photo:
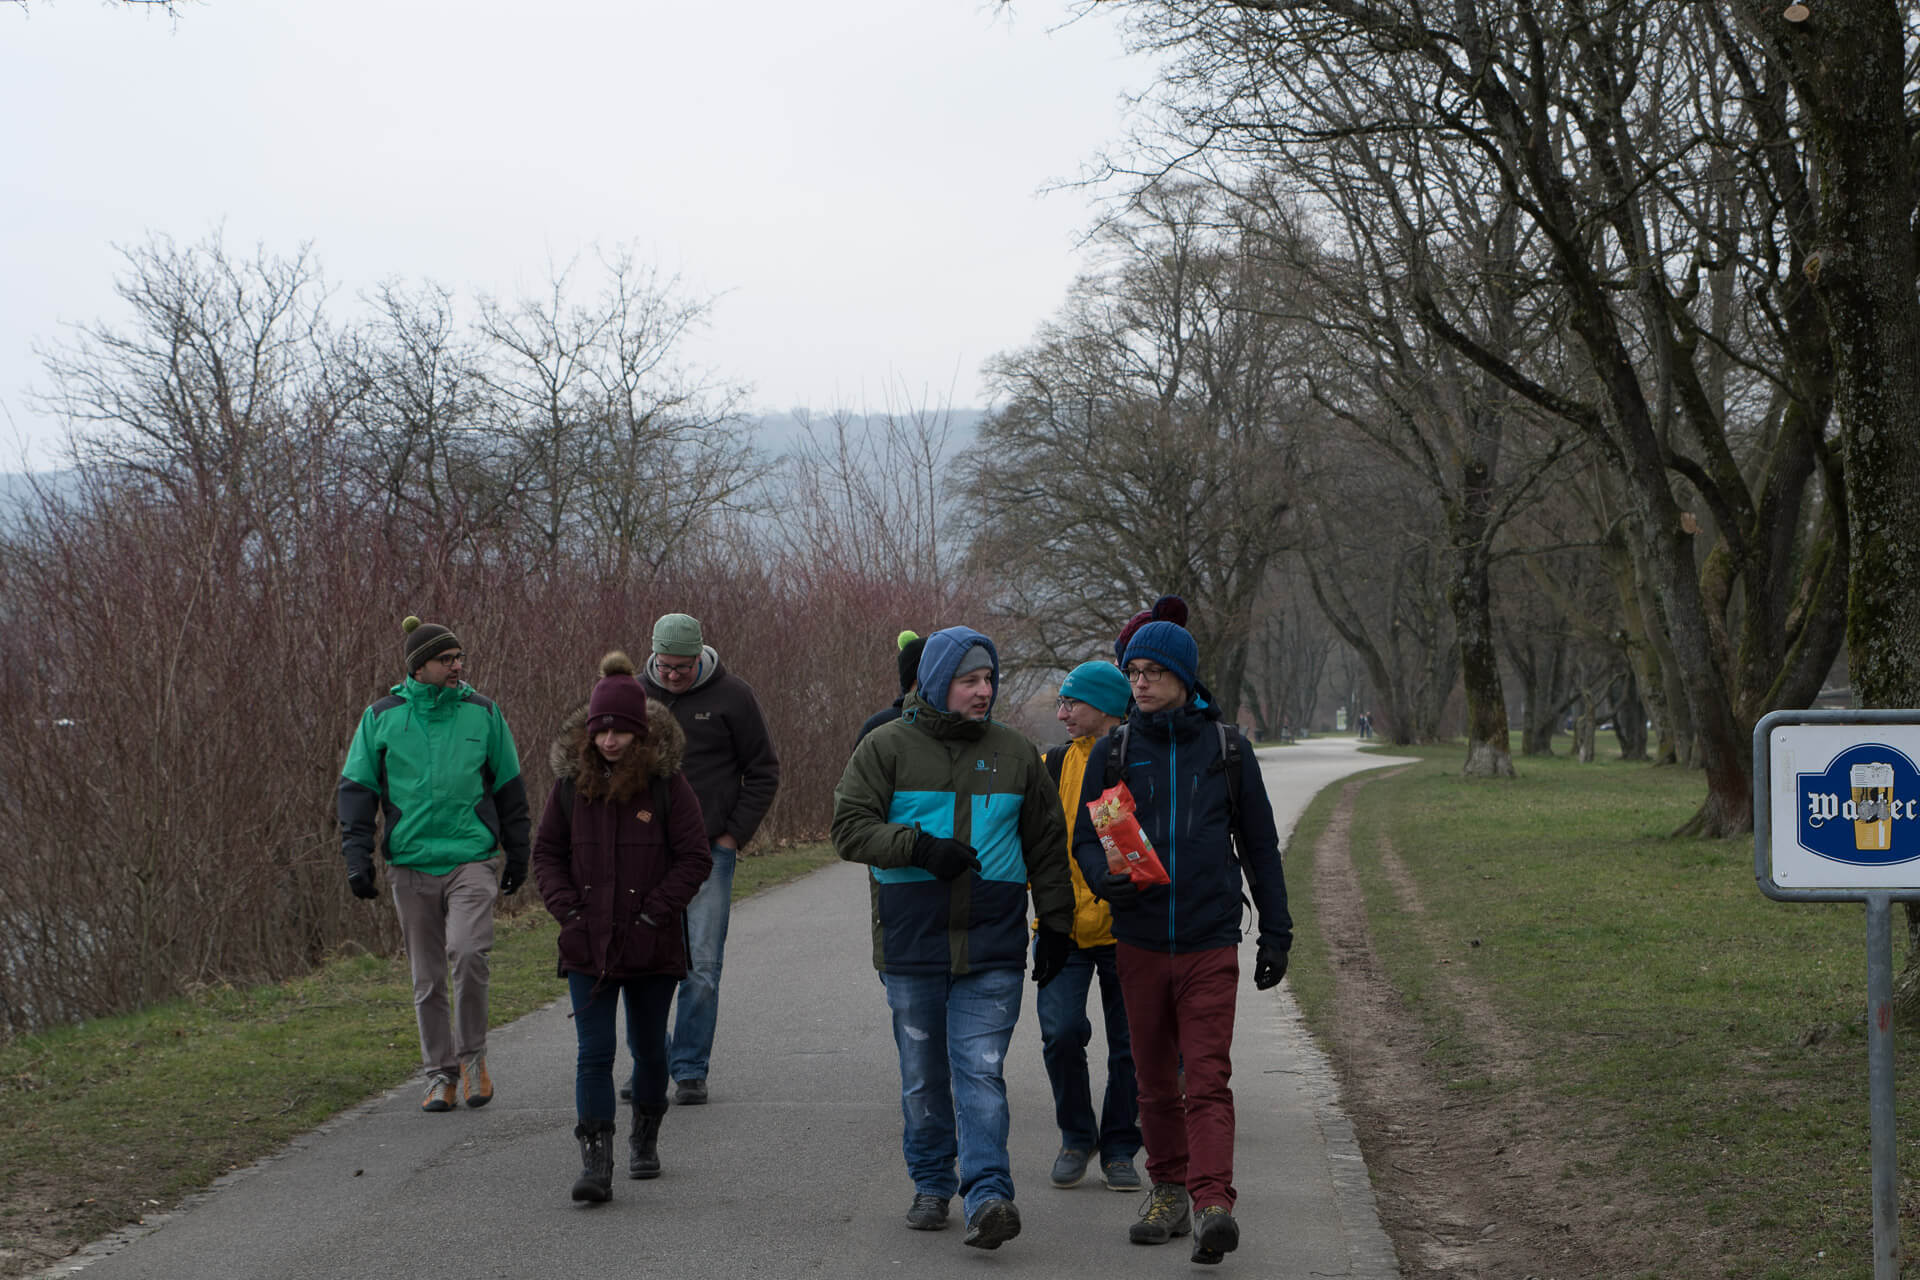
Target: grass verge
1716,1037
106,1122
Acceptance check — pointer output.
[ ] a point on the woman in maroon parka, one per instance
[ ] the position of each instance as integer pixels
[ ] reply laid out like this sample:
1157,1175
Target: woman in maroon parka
622,849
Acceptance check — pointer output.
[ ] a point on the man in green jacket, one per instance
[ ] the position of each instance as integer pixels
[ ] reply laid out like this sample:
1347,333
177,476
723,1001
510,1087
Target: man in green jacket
435,763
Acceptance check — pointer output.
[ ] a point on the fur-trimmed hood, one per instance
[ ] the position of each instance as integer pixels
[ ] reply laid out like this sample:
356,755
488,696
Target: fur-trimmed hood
663,731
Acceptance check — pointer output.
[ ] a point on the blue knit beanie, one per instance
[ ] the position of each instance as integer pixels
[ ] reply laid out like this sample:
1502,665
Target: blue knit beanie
1101,686
1169,645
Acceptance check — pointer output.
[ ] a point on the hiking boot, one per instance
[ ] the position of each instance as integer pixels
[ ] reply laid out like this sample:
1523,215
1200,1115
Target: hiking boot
690,1093
993,1224
475,1083
1215,1234
1069,1167
643,1148
442,1093
1119,1174
1163,1216
595,1183
928,1212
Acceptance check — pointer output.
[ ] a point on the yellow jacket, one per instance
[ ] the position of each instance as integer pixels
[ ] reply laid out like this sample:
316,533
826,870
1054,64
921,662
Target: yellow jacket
1092,921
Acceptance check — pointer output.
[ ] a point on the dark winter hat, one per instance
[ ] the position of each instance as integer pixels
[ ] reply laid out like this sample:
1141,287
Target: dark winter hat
1168,644
911,645
426,641
618,701
678,635
943,660
1101,686
1166,609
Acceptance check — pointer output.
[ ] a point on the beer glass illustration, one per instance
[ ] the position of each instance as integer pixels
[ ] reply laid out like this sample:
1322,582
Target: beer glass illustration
1872,805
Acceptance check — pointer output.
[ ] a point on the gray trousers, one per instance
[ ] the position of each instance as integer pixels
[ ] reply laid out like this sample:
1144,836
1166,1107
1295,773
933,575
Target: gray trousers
447,924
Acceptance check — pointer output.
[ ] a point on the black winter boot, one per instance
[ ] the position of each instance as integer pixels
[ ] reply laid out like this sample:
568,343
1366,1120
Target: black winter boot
595,1183
643,1148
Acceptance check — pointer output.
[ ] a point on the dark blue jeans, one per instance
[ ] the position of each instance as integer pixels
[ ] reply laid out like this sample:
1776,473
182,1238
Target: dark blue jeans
595,1003
1065,1033
693,1021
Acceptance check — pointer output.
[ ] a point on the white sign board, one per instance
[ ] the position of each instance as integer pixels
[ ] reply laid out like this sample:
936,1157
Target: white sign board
1844,806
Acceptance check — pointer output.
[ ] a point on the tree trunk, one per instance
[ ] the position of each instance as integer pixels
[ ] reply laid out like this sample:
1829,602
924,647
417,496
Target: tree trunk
1470,593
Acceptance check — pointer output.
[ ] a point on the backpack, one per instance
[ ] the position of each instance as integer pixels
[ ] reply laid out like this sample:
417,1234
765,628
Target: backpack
1229,760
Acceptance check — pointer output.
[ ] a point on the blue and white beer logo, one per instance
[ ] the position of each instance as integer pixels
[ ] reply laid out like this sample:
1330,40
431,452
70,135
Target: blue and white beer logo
1864,808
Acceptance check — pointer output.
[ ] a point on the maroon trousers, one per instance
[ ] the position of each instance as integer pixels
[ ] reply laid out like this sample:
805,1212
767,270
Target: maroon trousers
1180,1013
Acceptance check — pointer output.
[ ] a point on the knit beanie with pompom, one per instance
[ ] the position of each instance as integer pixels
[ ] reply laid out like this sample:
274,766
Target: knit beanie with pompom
425,641
618,701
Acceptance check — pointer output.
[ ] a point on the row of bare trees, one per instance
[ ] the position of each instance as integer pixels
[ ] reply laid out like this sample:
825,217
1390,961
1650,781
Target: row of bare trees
1563,339
262,485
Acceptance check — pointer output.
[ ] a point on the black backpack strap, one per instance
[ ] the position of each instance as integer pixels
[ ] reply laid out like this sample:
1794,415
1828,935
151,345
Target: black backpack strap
662,800
1116,754
1053,758
1232,753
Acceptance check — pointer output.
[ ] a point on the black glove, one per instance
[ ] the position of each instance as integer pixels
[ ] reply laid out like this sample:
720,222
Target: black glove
1269,966
944,857
512,878
361,882
1050,952
1118,888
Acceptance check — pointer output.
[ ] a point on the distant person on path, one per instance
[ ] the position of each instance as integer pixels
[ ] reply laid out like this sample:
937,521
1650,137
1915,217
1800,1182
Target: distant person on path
911,645
733,769
622,849
955,815
1093,699
435,764
1178,944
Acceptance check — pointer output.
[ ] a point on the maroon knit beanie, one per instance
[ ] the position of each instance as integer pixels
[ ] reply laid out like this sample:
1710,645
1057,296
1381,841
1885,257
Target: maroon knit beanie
618,701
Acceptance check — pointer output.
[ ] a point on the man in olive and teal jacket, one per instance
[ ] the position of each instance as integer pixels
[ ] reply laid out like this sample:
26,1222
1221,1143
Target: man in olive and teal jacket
434,762
957,817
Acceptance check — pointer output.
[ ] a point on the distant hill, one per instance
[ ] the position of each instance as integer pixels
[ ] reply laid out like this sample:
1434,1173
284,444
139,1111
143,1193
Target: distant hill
779,432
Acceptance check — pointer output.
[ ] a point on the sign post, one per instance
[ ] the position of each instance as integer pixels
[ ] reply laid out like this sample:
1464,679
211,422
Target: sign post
1836,818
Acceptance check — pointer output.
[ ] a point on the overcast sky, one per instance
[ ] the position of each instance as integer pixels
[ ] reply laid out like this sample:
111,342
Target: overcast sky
860,182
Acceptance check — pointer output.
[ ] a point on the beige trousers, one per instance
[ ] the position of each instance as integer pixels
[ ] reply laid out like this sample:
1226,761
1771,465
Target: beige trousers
447,924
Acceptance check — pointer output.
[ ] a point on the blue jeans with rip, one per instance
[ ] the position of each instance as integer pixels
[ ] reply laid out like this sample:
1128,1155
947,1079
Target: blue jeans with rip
596,1001
1065,1033
952,1034
691,1044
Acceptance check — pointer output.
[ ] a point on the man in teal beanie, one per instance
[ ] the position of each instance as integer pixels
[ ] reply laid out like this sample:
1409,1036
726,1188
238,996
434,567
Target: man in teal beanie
1093,699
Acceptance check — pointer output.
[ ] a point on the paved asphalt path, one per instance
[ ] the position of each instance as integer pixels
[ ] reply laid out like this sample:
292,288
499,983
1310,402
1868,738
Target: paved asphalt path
794,1168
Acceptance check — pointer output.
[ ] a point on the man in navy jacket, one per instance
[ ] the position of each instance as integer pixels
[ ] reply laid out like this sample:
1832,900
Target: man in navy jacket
1178,944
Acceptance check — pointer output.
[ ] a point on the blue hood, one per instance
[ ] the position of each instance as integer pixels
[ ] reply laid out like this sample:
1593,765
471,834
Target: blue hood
943,653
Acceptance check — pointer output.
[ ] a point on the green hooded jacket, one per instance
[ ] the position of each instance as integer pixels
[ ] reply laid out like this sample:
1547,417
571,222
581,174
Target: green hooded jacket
440,769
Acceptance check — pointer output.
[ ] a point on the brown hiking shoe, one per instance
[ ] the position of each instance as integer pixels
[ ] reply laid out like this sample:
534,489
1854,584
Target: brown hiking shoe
1164,1215
475,1083
441,1093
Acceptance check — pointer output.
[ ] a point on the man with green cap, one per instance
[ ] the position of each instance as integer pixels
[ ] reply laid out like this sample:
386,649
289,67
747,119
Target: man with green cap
434,766
731,765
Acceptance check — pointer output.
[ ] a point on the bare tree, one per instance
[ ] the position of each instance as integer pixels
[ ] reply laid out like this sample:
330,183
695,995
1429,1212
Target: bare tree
1145,445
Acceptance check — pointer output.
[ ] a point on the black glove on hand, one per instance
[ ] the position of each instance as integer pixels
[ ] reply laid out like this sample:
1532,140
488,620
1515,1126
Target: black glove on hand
943,856
512,878
361,882
1050,952
1269,966
1118,888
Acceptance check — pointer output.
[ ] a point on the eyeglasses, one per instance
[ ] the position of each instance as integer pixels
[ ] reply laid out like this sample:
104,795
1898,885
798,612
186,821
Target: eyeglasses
1146,672
1063,702
451,659
675,668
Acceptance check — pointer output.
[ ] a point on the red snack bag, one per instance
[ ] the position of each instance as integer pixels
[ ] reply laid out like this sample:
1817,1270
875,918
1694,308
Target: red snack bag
1127,846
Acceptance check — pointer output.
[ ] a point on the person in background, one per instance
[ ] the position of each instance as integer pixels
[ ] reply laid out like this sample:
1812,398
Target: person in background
731,765
622,849
954,814
1093,699
1178,945
434,766
910,646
